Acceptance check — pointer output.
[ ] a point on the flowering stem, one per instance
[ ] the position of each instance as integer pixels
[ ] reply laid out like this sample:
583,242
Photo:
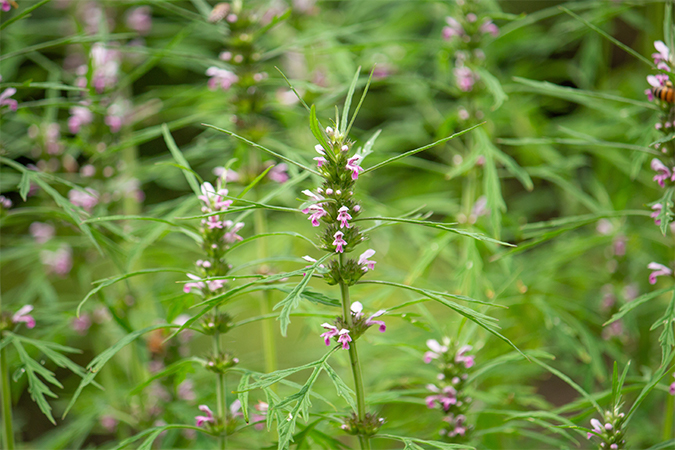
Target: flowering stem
8,434
354,359
221,398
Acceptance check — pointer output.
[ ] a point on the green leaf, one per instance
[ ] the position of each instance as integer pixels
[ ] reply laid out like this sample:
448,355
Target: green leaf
153,433
242,395
411,443
440,226
168,370
180,159
293,89
23,14
569,381
24,186
100,361
420,149
110,281
342,389
37,388
491,183
253,183
293,299
616,42
367,149
253,144
363,97
317,129
348,103
628,307
494,86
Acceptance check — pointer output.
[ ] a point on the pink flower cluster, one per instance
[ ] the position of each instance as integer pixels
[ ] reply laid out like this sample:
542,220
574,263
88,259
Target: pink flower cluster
343,335
220,78
445,397
599,429
663,173
457,427
357,313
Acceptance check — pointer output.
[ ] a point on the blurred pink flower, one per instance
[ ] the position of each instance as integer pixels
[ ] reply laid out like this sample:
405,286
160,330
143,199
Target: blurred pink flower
465,78
81,324
86,200
41,232
59,262
140,19
364,262
662,172
23,316
220,78
279,173
462,357
201,420
109,423
79,116
489,27
453,29
186,391
657,271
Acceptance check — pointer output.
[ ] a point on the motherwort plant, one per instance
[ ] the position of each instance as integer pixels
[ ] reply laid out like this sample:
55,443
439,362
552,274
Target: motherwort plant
334,207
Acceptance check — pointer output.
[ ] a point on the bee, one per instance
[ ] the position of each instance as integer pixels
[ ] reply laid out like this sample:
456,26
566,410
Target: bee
665,93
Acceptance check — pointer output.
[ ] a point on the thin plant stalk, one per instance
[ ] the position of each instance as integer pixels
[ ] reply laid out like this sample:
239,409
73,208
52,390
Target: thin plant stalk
669,418
221,398
269,344
354,359
8,428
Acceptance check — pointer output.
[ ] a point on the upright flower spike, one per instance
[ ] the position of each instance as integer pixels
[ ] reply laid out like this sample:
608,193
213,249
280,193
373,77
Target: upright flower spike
449,392
609,434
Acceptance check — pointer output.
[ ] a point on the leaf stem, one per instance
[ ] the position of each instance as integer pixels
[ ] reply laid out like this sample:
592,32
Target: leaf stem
354,359
668,419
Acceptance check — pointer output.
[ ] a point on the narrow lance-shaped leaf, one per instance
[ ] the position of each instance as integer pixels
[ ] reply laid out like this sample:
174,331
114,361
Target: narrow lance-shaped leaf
420,149
180,159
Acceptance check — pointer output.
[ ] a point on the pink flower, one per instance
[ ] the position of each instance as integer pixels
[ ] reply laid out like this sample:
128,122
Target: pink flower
319,149
662,172
59,262
86,200
370,321
105,63
313,196
186,391
489,27
328,335
344,338
658,270
465,78
597,428
6,6
460,357
262,409
320,161
5,202
41,232
315,212
353,165
663,53
80,115
231,235
339,242
140,19
363,260
201,420
343,217
109,423
5,99
436,350
657,211
446,397
81,324
22,315
278,173
671,390
214,222
220,78
457,423
116,114
453,29
198,285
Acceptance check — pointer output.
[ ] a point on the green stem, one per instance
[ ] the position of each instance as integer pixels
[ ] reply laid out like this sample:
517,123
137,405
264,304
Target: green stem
269,344
8,435
221,397
8,428
354,359
668,419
